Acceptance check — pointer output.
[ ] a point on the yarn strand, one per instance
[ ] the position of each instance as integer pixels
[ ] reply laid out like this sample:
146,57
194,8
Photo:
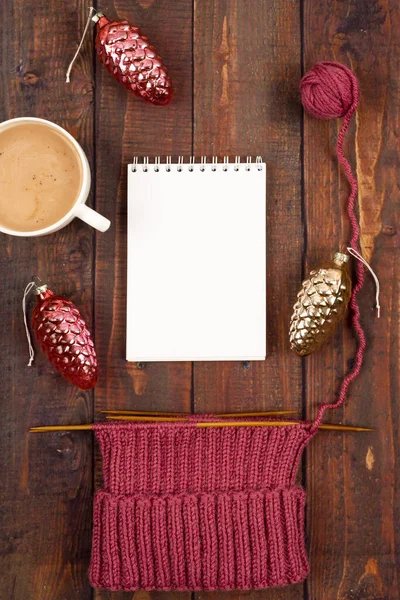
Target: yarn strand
331,90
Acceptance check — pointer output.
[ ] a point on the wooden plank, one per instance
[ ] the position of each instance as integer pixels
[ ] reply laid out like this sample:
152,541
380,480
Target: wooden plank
246,73
127,127
249,109
45,480
351,479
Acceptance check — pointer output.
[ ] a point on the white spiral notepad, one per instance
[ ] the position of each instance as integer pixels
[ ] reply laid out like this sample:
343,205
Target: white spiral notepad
196,261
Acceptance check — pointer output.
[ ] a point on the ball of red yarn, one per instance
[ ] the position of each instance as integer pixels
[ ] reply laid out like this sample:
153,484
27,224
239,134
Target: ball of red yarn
330,90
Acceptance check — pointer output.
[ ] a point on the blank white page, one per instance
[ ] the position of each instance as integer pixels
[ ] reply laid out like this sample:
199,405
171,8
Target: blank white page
196,263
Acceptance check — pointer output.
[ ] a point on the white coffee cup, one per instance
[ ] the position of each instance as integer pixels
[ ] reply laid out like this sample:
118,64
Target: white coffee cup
79,209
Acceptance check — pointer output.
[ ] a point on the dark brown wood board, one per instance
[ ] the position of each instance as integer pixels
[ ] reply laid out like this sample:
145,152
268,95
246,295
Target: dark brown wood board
236,67
126,128
352,501
237,114
46,481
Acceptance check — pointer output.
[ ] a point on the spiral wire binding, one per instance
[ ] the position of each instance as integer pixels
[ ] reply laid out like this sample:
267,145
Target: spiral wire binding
145,166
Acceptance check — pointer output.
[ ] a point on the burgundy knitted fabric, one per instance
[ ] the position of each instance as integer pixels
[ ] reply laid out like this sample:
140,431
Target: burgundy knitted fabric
187,508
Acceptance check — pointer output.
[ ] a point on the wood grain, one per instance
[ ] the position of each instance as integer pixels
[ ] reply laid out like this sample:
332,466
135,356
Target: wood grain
249,107
128,127
352,534
245,91
46,481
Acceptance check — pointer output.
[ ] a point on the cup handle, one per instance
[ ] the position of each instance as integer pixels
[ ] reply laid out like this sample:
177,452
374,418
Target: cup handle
92,218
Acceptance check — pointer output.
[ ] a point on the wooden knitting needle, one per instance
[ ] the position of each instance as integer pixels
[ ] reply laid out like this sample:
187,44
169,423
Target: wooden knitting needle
144,413
122,417
235,423
324,427
45,428
328,427
268,413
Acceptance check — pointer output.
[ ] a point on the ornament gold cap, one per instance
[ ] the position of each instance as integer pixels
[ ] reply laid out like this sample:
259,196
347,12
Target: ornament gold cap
97,17
40,287
339,256
40,290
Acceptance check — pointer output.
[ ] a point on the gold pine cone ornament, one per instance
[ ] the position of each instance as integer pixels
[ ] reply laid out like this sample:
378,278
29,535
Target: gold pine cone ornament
321,304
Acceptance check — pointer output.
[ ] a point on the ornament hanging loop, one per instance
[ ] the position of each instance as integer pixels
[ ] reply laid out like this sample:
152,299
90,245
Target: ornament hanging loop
29,288
358,256
91,11
37,287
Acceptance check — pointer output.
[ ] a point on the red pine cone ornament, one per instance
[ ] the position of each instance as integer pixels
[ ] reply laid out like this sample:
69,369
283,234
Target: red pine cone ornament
128,55
64,338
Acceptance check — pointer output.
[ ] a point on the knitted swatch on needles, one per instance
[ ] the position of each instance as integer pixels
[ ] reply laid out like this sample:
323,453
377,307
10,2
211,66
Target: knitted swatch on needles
186,508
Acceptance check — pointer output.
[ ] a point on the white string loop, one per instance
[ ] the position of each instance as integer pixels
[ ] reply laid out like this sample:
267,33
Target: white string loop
31,285
91,11
358,256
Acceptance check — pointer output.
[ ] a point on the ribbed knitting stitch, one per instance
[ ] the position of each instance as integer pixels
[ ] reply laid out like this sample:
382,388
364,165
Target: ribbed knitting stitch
186,508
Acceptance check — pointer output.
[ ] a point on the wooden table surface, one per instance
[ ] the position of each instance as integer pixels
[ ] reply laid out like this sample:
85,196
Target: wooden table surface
236,68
